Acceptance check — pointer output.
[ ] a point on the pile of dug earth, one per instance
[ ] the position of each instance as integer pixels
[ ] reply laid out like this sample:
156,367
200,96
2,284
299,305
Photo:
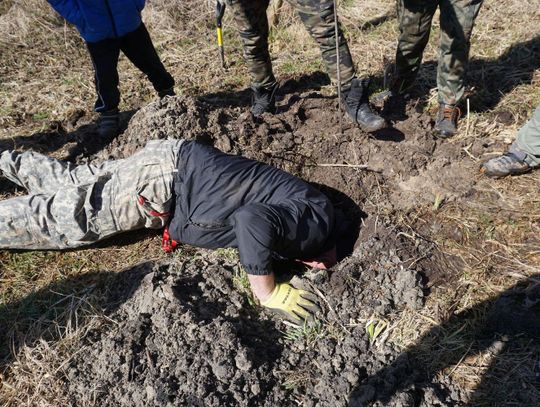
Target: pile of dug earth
189,333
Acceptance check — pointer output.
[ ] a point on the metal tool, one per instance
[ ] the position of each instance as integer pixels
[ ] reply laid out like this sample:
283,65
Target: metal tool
336,34
220,11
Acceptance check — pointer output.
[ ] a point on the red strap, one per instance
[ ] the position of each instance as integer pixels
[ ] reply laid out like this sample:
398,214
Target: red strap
142,201
168,244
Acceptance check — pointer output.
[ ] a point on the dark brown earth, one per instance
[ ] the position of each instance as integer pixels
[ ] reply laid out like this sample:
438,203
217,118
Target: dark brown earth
186,332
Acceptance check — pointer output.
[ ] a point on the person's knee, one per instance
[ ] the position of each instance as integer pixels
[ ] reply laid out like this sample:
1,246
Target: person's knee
247,215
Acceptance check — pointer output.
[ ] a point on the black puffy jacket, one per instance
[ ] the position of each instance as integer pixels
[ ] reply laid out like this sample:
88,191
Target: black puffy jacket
231,201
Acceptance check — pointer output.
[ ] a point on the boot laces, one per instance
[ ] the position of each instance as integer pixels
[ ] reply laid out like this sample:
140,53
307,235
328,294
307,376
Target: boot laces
451,113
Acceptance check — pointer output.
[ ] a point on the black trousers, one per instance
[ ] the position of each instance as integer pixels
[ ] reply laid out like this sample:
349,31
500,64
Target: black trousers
138,47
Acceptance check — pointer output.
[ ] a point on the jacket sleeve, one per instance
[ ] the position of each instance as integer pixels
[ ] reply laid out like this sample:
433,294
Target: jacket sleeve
69,9
139,4
257,226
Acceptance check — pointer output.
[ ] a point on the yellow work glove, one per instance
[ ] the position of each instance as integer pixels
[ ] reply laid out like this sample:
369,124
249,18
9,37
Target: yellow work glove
298,306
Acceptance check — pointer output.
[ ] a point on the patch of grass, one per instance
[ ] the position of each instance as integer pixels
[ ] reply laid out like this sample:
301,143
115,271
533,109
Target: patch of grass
40,116
241,282
228,254
309,333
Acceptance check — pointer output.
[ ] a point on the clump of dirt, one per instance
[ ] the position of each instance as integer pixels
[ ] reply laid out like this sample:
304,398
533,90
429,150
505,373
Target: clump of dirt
190,335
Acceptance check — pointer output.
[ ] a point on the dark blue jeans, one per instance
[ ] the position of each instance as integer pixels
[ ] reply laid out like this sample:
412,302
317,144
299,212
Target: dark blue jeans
138,47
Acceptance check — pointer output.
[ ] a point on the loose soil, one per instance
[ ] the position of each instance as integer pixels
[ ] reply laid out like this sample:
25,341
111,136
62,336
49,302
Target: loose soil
190,334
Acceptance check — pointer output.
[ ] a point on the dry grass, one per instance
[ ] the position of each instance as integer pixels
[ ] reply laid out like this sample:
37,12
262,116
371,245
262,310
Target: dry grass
45,75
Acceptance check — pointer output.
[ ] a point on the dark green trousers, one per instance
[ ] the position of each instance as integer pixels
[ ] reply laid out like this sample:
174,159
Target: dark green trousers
456,19
318,18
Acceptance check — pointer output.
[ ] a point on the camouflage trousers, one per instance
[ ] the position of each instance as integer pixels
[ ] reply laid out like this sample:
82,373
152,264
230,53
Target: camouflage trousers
456,20
528,140
70,206
318,18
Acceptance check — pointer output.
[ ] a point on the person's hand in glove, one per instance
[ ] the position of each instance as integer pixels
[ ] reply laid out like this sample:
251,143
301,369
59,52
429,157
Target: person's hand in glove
298,306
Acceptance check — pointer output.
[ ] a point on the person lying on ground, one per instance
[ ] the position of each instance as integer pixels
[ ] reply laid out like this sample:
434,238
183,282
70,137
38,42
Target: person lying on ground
202,196
456,23
318,18
522,156
108,27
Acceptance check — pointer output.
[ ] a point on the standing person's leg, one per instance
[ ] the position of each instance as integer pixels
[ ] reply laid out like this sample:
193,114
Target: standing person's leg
457,21
138,47
104,56
318,17
414,17
523,155
528,140
252,24
40,174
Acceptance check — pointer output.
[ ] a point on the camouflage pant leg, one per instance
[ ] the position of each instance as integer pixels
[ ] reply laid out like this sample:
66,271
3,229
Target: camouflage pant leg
252,23
414,17
40,174
318,18
528,139
457,21
126,195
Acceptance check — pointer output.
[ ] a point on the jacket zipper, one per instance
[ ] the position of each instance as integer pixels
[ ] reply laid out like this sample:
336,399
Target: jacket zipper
209,226
111,17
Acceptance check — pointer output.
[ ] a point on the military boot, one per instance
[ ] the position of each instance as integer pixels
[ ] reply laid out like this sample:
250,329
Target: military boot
264,100
508,164
446,122
166,92
356,104
108,124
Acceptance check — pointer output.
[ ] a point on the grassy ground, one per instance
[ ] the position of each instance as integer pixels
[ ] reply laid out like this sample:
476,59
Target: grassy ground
46,77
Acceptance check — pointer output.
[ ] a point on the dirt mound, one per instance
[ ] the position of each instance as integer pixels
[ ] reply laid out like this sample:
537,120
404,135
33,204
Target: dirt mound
404,165
189,335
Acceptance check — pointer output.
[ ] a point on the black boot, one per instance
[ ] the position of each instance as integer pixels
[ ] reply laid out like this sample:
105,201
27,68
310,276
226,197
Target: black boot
446,122
108,125
166,92
264,100
357,106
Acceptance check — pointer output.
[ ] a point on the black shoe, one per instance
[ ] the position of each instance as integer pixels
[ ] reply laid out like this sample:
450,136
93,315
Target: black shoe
166,92
446,122
357,106
109,124
264,100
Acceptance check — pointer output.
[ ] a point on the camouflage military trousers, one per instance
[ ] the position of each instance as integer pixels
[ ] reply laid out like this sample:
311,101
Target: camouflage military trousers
318,18
71,206
456,19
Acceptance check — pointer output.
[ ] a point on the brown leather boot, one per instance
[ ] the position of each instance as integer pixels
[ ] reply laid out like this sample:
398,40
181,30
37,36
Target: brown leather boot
446,122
